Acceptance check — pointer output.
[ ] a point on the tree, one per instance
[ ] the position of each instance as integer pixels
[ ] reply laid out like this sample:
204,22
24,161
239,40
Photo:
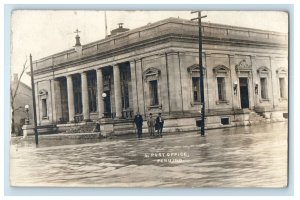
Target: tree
13,94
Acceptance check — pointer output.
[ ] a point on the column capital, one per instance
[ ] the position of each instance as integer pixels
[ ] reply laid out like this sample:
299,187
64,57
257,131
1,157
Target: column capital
115,65
83,72
171,52
132,61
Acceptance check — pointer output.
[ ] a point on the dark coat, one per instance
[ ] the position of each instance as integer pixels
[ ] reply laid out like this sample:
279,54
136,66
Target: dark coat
138,120
157,121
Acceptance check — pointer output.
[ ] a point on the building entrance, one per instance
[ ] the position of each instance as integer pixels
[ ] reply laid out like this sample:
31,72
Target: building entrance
107,104
244,96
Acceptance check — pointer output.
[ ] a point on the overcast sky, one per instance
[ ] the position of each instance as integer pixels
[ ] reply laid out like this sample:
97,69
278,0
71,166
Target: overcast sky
43,33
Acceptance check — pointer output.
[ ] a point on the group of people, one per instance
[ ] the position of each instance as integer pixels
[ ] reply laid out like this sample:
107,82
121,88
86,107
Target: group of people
153,124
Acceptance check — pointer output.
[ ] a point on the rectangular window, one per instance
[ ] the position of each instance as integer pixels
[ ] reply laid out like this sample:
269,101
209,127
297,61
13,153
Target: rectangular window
224,120
221,88
44,108
196,89
153,93
282,87
263,85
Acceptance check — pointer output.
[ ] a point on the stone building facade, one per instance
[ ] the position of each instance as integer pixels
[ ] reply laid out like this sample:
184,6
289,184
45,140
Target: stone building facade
154,69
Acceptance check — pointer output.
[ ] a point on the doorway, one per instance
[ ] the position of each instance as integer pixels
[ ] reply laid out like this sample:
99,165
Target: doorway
107,104
244,96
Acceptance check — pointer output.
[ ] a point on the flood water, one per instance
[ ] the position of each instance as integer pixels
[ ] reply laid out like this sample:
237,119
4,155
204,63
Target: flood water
254,156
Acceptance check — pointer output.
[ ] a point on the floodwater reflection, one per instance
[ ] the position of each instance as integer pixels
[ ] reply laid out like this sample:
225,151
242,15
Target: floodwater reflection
253,156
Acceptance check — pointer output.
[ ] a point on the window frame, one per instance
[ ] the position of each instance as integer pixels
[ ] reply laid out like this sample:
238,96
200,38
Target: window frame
264,72
152,74
221,71
43,97
223,89
282,73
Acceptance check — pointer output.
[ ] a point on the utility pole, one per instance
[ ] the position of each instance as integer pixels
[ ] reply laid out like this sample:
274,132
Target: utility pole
105,20
202,131
33,104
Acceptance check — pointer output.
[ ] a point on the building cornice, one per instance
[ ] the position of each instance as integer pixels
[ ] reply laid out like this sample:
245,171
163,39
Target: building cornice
172,30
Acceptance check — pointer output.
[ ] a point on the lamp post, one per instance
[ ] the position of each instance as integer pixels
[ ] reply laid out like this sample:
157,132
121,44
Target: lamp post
27,114
104,95
256,88
235,83
202,130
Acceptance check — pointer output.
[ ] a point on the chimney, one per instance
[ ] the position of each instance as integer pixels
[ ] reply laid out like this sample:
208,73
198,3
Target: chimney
15,77
118,30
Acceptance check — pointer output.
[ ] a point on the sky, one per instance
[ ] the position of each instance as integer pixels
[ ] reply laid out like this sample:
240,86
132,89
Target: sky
43,33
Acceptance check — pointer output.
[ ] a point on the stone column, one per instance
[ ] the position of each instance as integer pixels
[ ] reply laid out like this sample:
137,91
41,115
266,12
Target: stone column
53,100
99,93
134,87
234,78
140,87
117,88
173,71
274,83
85,97
256,79
70,98
57,98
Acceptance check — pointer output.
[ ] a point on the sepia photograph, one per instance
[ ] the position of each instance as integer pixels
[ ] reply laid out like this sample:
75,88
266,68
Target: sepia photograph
149,99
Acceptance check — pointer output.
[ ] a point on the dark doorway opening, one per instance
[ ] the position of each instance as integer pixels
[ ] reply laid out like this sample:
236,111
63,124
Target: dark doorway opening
107,76
244,92
64,100
107,105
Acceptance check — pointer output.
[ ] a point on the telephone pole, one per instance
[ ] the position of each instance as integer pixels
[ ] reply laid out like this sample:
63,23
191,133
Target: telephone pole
202,131
33,104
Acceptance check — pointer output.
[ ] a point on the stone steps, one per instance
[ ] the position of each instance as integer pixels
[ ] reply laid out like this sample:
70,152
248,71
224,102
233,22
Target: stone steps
256,118
82,128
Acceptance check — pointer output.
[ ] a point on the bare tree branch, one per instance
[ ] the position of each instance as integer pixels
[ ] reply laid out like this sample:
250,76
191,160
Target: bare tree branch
19,80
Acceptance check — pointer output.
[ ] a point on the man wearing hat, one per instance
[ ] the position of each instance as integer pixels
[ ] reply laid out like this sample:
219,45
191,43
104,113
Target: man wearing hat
151,123
159,124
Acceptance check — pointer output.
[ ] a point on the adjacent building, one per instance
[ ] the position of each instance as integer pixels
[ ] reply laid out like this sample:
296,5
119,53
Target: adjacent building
155,69
22,98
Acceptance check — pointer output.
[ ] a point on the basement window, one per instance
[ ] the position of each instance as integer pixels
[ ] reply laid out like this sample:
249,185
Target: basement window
224,120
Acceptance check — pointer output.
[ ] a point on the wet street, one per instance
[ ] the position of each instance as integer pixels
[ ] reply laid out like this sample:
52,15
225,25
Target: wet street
254,156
